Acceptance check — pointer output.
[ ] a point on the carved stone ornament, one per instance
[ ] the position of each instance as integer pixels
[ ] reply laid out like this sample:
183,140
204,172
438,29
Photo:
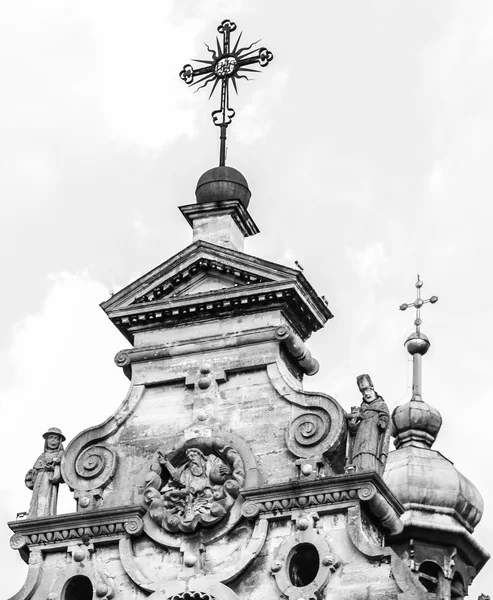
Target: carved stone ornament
193,486
304,561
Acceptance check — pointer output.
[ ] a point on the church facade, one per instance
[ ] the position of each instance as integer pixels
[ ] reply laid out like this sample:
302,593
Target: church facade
218,477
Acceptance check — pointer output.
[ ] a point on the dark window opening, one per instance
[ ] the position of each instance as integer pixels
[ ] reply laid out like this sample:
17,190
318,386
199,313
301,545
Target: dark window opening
428,575
458,589
78,588
304,565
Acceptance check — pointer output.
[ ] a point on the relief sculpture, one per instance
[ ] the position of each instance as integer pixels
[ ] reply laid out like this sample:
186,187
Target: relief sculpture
44,477
194,486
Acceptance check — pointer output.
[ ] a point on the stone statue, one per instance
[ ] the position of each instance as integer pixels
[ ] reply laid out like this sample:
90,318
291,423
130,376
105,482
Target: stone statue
193,486
369,430
44,477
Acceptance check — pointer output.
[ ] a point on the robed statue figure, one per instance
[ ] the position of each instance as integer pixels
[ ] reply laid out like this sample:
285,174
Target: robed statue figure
369,430
44,477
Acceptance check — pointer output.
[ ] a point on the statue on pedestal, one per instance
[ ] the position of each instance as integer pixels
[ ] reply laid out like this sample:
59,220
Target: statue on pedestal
44,477
369,431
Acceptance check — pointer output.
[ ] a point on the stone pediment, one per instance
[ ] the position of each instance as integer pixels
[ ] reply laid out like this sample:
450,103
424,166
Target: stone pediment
204,281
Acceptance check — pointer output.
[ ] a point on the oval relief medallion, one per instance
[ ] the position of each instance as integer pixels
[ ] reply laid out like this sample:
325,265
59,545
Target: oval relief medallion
194,486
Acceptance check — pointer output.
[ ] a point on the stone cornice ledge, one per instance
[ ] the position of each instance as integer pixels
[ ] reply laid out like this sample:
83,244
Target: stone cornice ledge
234,208
368,487
77,526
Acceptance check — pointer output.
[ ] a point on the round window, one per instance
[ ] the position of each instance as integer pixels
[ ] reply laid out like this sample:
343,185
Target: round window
304,565
78,588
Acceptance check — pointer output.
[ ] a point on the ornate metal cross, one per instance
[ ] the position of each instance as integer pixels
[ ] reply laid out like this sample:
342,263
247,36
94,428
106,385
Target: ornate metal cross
226,65
418,303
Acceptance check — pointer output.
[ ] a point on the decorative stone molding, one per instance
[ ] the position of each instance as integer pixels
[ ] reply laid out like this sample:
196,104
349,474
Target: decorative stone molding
147,303
196,307
64,529
129,357
201,265
297,350
291,574
201,588
88,464
321,430
34,575
276,501
192,576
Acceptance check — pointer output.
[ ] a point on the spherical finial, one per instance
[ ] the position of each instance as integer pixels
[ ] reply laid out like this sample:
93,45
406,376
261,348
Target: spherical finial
417,343
307,470
222,183
190,560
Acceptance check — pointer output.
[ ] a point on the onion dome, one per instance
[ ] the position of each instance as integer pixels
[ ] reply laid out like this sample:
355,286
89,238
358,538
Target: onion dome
426,483
431,489
435,495
222,183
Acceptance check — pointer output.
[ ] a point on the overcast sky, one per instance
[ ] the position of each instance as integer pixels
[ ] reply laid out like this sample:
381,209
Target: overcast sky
367,144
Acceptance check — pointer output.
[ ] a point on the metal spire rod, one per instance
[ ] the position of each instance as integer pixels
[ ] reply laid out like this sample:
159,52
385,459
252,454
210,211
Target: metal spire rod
226,65
417,343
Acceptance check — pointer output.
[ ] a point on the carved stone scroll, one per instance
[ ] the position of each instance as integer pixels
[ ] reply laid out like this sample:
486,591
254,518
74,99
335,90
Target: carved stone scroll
320,430
89,464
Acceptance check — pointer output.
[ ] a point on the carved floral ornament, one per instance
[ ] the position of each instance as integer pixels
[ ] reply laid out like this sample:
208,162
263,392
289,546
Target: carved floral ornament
193,486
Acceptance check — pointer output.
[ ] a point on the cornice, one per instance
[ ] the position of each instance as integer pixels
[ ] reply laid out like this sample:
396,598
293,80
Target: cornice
275,500
234,208
71,527
304,315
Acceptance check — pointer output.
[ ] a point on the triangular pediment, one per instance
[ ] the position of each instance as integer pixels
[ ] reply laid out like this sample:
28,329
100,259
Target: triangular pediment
206,283
200,268
204,278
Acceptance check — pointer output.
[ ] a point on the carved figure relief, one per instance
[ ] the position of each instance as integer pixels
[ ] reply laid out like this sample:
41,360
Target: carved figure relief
193,486
369,429
45,476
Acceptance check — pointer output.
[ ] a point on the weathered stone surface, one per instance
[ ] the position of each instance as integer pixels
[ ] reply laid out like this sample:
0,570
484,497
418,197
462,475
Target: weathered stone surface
218,476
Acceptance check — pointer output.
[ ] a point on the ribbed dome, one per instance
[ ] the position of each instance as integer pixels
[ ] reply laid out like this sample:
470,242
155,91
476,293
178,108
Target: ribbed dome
222,183
424,480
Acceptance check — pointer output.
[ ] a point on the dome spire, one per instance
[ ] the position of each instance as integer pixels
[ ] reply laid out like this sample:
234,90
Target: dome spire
416,423
417,343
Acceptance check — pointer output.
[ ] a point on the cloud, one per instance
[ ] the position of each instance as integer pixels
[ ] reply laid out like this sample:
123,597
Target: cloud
256,116
369,262
60,374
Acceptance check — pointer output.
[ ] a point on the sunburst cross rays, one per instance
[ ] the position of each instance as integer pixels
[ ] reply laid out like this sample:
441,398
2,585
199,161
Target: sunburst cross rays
225,65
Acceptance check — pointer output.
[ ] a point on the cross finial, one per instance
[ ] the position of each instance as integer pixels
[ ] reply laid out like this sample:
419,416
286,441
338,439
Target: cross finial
418,303
417,343
226,65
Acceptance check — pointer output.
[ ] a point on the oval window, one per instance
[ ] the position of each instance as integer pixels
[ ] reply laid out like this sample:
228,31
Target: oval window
304,565
78,588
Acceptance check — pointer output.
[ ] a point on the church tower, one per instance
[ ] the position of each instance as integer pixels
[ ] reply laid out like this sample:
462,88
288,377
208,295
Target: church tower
442,507
218,477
